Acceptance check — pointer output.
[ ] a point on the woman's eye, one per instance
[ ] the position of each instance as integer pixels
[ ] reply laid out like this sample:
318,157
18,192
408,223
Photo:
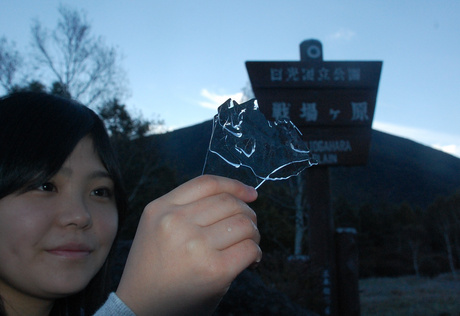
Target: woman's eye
48,187
102,192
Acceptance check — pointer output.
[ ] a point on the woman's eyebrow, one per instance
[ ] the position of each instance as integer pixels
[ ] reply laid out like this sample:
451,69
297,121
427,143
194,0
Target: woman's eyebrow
99,174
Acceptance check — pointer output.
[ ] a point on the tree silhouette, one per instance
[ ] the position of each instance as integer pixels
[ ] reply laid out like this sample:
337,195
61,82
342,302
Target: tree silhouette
68,59
10,62
145,175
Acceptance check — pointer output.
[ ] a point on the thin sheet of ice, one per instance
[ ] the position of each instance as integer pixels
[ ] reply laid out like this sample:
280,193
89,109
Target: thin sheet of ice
247,147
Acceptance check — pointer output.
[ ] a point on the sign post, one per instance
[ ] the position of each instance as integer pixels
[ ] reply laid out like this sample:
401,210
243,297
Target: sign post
333,104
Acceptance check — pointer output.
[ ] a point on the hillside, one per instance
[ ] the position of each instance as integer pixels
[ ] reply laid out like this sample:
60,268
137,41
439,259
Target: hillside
398,169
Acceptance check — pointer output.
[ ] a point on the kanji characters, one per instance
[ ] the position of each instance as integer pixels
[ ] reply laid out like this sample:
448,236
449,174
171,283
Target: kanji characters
292,74
312,74
276,74
309,111
354,74
323,74
280,110
359,111
339,74
308,74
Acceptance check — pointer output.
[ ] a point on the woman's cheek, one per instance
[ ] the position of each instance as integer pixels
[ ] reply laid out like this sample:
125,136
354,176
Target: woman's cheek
106,225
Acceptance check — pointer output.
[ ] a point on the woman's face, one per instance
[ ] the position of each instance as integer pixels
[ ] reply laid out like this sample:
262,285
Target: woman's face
55,238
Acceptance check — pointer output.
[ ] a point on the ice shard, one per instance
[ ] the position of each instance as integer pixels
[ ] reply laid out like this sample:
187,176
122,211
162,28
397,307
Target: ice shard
246,146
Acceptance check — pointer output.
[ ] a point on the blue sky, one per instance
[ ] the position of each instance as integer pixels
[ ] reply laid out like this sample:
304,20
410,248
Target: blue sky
184,58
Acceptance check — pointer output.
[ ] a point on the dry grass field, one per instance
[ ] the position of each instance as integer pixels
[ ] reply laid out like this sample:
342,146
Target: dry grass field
410,296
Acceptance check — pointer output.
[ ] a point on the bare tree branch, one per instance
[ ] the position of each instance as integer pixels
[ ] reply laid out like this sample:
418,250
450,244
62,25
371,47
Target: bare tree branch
82,64
39,38
10,62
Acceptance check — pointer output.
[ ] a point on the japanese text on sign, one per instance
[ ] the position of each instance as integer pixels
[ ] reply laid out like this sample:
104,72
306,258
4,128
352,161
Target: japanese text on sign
327,151
309,112
314,74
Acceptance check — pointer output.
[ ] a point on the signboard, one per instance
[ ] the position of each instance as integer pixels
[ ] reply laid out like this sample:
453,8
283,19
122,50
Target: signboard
332,74
331,107
332,103
338,146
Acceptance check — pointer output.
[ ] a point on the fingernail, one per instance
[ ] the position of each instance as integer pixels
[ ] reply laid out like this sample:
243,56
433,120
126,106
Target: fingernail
254,191
259,257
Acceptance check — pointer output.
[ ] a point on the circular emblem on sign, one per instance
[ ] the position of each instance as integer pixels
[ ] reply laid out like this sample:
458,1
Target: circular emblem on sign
313,51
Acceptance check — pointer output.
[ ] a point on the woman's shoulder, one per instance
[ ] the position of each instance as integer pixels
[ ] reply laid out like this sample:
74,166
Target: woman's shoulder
114,306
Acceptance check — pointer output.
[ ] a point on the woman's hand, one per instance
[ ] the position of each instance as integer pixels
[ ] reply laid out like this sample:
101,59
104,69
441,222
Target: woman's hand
189,246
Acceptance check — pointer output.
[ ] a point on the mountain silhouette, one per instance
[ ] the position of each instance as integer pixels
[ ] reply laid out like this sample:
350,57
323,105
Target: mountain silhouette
398,170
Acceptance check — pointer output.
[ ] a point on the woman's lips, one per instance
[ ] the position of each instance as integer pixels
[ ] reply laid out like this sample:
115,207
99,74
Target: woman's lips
75,251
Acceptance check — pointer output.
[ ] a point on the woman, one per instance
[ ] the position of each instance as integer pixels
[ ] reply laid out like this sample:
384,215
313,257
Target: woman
61,201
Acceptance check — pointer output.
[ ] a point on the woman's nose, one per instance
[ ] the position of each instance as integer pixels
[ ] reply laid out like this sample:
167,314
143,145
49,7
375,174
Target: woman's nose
74,211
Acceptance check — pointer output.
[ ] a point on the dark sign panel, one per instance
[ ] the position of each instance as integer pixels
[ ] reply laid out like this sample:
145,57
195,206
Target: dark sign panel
338,146
332,74
332,103
339,107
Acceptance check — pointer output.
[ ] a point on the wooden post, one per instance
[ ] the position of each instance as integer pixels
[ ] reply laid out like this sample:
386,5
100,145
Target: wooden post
321,231
333,105
347,272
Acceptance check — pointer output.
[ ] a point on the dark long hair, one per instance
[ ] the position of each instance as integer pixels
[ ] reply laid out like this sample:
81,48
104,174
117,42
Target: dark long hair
38,132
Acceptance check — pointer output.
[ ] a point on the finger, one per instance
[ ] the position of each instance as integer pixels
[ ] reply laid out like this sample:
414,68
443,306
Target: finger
208,185
231,231
210,210
240,256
